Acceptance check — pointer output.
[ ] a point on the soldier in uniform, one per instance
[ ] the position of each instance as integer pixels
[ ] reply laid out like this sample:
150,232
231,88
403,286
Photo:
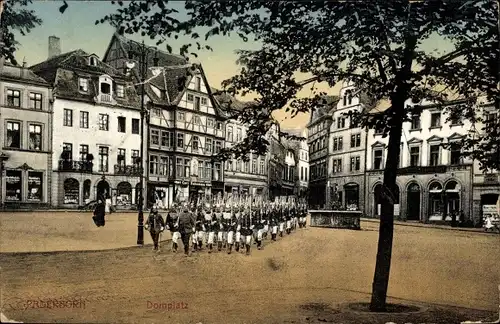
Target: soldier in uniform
155,225
199,231
186,225
288,218
173,226
259,225
247,231
211,228
282,220
274,223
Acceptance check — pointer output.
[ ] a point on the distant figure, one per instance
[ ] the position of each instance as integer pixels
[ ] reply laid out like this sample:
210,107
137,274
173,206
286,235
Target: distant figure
99,212
155,225
462,218
454,218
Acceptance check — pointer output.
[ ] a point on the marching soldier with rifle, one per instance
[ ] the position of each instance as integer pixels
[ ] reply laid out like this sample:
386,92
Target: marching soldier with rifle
288,218
282,219
247,230
186,225
274,222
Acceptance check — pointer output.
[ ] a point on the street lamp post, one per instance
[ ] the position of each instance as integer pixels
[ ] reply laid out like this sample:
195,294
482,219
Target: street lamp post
140,203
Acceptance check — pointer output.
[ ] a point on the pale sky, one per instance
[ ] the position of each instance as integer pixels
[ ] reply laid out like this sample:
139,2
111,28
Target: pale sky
77,30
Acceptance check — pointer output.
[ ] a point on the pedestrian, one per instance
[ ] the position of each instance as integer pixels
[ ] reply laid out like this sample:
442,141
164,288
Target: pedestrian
247,231
462,218
186,226
155,225
230,234
99,212
454,218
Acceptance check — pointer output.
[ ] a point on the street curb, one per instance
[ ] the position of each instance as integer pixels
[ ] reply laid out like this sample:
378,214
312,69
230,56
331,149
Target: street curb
459,229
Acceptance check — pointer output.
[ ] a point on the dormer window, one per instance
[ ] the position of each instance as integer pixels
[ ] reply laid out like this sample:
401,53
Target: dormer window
92,61
83,84
105,88
348,97
119,91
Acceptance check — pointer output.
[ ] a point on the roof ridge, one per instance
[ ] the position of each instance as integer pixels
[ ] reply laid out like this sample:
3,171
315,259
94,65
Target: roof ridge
147,46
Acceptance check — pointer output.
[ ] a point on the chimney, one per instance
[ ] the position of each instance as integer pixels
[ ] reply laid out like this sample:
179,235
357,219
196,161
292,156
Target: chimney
54,46
23,69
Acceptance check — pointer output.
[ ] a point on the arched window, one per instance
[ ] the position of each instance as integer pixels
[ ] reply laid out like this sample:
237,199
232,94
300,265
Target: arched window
452,198
71,191
124,194
86,189
435,199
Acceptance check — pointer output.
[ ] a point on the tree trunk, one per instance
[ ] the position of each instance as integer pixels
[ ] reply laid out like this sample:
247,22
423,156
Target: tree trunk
384,253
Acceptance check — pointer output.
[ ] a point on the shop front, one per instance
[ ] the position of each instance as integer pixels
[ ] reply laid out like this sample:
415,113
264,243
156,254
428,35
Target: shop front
24,186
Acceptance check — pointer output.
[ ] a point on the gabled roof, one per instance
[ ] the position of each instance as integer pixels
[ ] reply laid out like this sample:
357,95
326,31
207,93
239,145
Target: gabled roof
77,59
21,74
378,143
324,110
455,136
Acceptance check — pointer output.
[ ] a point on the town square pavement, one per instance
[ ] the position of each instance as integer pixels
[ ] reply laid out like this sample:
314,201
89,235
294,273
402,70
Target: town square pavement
306,277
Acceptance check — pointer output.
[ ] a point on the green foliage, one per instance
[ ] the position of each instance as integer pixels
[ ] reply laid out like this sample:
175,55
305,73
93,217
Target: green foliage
374,44
16,18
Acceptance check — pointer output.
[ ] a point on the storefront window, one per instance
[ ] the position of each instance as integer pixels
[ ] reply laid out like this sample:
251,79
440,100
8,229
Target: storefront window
86,190
13,185
71,191
124,194
35,186
435,199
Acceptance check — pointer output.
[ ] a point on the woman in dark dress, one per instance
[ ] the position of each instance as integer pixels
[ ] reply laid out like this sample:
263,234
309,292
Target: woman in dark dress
99,213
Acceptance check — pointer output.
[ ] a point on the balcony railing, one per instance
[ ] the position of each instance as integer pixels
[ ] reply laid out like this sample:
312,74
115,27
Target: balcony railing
129,170
105,98
76,166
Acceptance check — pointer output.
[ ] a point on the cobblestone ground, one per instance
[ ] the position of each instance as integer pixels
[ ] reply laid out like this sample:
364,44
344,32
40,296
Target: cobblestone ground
306,277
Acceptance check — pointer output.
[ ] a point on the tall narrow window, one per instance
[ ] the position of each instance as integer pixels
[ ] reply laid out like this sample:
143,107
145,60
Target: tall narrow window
121,157
135,156
122,124
378,159
180,140
165,139
187,168
36,101
196,103
195,141
84,151
200,169
180,167
14,98
208,146
197,84
414,156
103,122
434,155
68,118
103,159
455,154
254,166
218,147
135,126
153,164
155,137
84,119
35,137
238,135
436,119
13,135
163,170
218,172
415,122
208,170
230,133
68,150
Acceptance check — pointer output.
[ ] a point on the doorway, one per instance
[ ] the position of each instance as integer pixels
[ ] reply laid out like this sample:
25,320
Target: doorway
413,202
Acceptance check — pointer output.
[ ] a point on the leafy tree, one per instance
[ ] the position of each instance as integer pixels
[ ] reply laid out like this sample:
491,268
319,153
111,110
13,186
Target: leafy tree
378,45
15,17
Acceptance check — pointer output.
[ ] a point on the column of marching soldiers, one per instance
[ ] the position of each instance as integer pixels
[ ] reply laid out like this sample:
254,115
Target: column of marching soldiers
228,222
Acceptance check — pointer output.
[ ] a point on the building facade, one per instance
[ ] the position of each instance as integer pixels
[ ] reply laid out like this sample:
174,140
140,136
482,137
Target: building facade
241,177
303,166
185,126
26,121
346,153
486,185
318,136
96,134
434,180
